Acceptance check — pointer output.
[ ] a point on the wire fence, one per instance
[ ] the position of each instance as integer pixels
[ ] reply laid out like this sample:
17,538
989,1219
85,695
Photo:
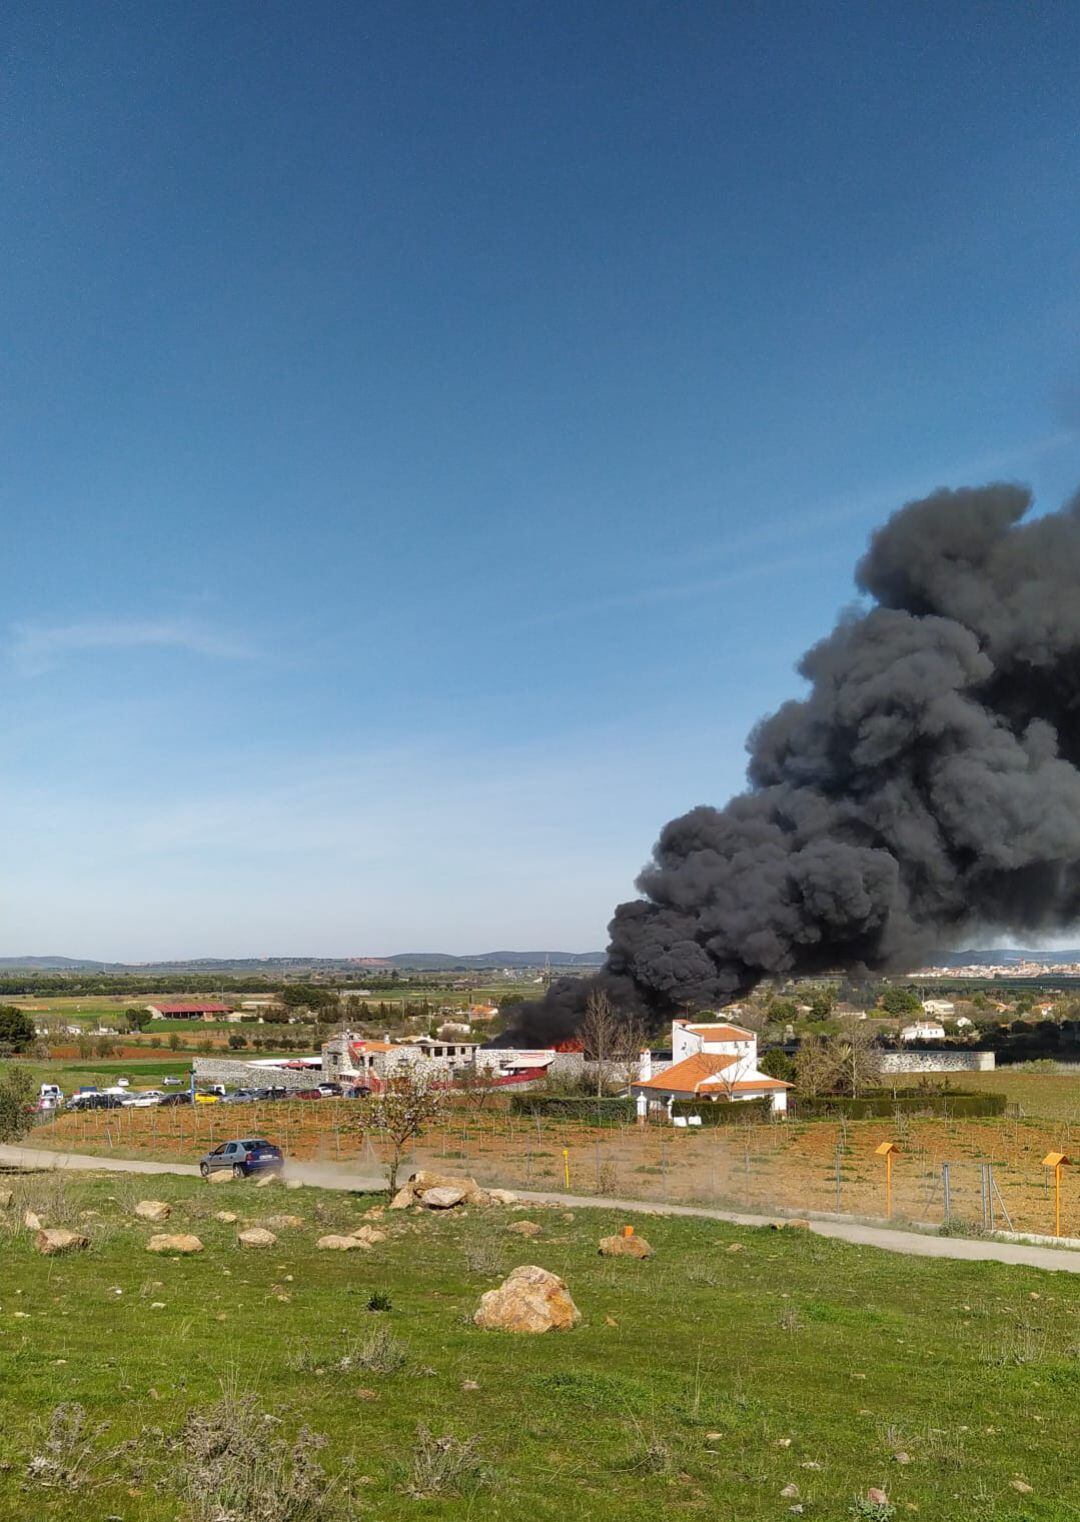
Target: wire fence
981,1174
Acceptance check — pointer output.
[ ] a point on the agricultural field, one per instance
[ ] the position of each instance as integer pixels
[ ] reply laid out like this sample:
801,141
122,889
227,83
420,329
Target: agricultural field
824,1166
735,1375
1030,1092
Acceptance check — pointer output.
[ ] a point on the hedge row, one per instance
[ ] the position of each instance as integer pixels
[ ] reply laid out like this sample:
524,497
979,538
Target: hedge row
881,1106
719,1113
591,1112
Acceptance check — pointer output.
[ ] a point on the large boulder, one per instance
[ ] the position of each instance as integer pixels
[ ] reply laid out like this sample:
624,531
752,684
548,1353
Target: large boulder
525,1228
337,1243
220,1176
229,1217
530,1300
502,1196
369,1235
57,1239
153,1210
182,1242
265,1180
421,1184
256,1236
445,1197
625,1244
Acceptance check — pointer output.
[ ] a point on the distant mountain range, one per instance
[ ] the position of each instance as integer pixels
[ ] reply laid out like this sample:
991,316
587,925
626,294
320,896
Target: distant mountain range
1001,957
408,961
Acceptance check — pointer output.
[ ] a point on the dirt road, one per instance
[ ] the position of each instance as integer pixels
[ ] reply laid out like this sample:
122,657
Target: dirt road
327,1176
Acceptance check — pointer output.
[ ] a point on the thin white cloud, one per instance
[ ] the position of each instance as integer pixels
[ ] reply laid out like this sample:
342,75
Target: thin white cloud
36,648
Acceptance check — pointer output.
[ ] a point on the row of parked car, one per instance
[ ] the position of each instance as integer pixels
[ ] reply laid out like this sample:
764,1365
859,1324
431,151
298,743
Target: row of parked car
142,1099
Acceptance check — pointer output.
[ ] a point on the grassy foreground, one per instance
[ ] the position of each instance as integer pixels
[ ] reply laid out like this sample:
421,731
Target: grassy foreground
700,1383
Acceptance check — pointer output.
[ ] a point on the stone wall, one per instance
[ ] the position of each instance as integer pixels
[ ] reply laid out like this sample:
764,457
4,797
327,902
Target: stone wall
234,1073
929,1061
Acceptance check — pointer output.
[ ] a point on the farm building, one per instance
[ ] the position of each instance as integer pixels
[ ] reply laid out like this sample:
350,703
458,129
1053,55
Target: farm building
923,1030
189,1011
713,1062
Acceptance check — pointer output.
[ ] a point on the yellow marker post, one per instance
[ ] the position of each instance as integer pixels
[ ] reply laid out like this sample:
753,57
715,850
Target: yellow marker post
566,1165
1057,1161
887,1150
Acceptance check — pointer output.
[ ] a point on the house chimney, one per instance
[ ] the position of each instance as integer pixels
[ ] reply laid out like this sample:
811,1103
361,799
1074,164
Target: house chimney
644,1071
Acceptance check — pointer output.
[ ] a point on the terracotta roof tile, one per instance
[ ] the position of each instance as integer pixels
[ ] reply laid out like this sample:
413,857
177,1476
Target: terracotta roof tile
685,1076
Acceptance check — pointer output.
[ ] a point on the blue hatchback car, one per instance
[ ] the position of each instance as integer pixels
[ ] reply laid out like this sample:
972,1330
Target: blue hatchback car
242,1158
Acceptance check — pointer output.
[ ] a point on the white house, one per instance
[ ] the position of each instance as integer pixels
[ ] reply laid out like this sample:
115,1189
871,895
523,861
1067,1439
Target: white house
713,1062
923,1030
943,1008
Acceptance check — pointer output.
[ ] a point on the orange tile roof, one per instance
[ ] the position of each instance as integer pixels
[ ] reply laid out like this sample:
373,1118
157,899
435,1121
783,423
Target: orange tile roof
721,1032
685,1076
748,1085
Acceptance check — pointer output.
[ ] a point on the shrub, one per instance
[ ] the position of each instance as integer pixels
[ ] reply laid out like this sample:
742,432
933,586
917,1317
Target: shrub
444,1466
232,1465
745,1112
881,1106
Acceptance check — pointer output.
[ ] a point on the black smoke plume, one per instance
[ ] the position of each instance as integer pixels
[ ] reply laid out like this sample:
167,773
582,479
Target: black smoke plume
926,788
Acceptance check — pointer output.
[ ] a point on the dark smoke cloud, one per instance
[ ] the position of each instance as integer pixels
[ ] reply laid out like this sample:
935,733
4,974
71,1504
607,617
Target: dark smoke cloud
927,787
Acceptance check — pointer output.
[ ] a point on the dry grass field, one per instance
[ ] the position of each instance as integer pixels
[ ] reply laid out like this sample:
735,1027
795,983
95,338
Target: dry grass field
819,1165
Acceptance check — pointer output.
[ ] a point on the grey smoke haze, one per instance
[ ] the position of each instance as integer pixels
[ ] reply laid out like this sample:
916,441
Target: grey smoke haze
926,788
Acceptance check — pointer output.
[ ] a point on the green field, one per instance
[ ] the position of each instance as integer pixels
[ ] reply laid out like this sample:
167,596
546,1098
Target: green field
1033,1094
700,1384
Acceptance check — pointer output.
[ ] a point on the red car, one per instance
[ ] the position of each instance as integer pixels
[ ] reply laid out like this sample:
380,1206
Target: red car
308,1094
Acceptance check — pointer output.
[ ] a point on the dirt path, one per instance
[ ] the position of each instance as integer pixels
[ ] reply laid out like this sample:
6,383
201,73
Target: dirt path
915,1243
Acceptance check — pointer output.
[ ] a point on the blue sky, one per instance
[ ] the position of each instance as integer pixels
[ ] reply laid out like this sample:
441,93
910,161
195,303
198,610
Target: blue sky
432,433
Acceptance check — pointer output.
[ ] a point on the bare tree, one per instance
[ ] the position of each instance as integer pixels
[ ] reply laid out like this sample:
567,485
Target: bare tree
815,1067
632,1037
599,1032
402,1110
477,1085
856,1057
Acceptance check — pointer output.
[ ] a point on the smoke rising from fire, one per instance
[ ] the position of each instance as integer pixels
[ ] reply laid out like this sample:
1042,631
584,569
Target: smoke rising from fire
927,786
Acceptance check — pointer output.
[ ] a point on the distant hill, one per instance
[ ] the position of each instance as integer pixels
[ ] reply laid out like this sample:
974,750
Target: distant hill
1001,957
408,961
436,960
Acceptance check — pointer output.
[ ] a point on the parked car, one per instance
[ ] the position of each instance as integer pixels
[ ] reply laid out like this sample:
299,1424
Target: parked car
183,1098
357,1091
330,1090
207,1099
147,1098
250,1155
276,1092
240,1097
172,1082
308,1094
95,1102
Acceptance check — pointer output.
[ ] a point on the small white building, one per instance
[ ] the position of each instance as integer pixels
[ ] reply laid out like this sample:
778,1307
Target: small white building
923,1030
710,1061
944,1009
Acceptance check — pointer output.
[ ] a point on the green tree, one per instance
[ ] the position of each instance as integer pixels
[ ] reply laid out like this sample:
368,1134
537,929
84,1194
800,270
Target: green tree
236,1041
16,1029
822,1003
901,1002
778,1064
16,1104
174,1041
